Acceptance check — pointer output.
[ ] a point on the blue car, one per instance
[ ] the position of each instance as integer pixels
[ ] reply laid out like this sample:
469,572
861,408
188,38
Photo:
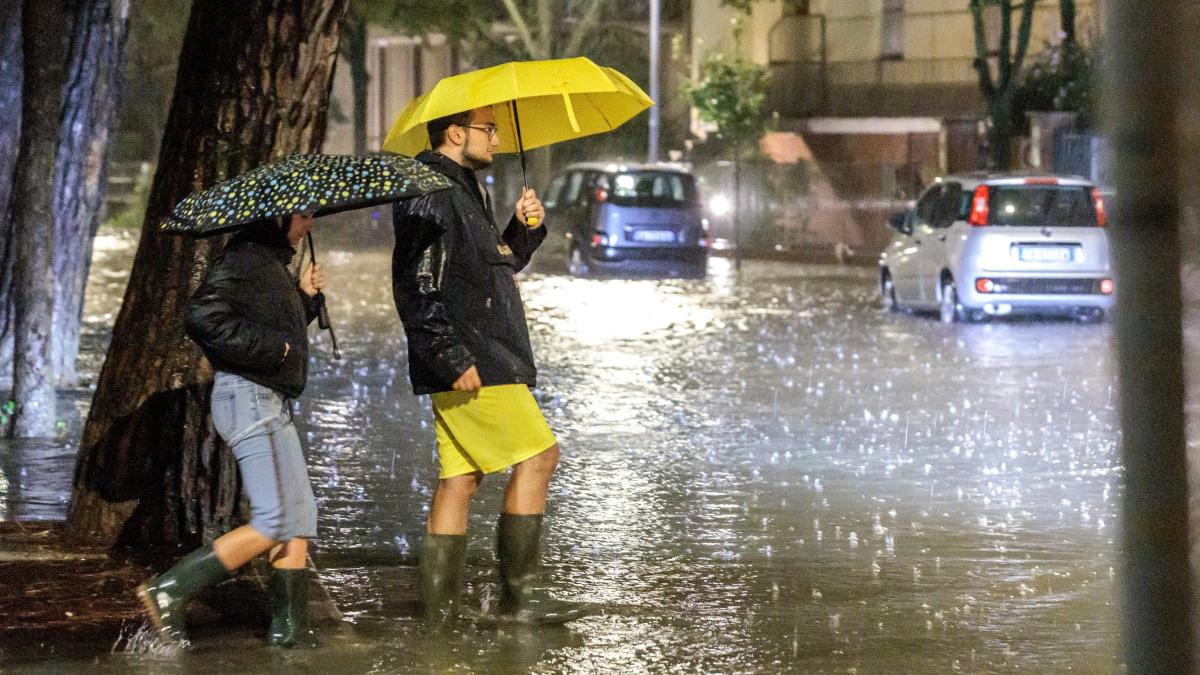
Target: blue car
630,219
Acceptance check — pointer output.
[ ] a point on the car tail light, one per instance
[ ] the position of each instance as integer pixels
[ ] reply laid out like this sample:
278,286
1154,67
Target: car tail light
1041,181
979,207
599,239
600,195
1101,214
985,285
1107,286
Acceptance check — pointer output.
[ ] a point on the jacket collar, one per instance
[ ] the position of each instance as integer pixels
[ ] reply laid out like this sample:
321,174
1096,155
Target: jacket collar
455,171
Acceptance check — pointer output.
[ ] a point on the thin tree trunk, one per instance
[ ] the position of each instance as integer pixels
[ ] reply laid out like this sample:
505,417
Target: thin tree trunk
1066,13
253,85
10,137
354,32
89,114
45,26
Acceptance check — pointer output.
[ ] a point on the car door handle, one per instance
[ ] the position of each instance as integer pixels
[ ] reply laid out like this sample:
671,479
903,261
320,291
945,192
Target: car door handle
916,241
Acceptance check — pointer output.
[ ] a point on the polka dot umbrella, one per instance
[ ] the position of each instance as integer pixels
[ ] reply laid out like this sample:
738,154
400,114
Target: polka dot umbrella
316,184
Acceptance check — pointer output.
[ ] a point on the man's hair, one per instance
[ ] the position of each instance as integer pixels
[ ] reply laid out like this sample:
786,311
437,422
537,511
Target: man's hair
437,128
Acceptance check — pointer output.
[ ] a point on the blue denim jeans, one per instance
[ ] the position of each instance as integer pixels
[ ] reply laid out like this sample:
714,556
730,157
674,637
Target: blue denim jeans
256,422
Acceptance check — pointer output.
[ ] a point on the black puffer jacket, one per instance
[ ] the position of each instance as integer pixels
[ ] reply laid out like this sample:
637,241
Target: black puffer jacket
453,279
247,308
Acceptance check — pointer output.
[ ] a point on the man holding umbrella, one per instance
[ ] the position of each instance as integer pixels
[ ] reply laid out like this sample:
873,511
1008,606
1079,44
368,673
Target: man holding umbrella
453,277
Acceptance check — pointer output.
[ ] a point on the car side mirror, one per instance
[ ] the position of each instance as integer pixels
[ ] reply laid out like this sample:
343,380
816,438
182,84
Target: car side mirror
901,222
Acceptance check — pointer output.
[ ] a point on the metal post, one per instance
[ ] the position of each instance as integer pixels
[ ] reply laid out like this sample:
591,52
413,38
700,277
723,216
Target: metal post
1146,44
655,14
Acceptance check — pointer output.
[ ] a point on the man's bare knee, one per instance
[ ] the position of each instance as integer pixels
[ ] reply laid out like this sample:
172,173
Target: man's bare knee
543,462
460,488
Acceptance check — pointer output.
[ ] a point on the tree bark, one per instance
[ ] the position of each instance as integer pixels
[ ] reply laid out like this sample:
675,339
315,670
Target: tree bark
354,33
89,114
10,137
253,86
45,26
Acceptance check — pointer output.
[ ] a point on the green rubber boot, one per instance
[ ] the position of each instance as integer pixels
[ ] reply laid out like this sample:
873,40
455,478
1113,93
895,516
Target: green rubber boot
517,550
442,564
165,596
290,625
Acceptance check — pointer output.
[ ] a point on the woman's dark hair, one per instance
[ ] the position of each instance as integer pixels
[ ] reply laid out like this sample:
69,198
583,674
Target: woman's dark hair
437,128
269,231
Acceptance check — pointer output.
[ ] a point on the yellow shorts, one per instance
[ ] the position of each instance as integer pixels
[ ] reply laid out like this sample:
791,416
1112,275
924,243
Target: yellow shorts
488,430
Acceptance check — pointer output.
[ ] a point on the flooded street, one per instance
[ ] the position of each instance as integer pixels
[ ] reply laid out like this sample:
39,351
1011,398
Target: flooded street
760,473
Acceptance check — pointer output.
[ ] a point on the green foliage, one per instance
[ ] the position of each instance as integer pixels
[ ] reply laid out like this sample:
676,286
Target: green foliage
151,55
730,93
1061,78
131,216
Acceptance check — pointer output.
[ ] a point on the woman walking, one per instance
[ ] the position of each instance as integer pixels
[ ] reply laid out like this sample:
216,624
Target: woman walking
250,318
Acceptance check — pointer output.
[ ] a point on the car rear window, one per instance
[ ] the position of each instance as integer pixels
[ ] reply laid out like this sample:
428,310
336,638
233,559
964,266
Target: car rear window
651,188
1041,206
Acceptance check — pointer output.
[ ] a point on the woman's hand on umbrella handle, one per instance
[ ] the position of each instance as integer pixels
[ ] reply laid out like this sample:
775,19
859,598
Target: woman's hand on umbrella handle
312,280
529,208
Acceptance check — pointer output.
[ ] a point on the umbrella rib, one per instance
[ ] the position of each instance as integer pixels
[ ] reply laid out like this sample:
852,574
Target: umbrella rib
600,110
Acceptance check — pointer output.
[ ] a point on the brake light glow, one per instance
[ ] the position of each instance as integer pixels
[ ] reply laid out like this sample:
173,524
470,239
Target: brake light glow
979,207
1107,286
599,239
600,195
985,285
1041,181
1101,214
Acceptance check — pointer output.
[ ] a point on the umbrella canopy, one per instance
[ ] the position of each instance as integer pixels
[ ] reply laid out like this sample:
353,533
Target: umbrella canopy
317,184
559,100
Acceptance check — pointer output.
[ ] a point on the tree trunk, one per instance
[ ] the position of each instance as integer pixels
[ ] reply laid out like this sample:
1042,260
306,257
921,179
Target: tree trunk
10,137
1000,136
253,86
1066,13
354,32
90,103
45,26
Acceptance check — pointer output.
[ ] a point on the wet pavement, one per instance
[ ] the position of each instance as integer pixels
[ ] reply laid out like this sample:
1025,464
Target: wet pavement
760,473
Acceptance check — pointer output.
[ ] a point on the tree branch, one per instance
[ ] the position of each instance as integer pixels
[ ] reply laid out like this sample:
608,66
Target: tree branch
1023,34
1004,64
584,29
514,15
981,56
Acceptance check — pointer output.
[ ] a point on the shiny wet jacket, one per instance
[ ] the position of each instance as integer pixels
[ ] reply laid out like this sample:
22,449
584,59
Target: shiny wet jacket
453,277
247,308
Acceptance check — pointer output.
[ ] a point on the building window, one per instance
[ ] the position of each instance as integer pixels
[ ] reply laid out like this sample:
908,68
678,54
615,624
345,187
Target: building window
892,46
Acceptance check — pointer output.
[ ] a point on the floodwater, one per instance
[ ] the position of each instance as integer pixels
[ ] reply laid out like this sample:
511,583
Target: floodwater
760,473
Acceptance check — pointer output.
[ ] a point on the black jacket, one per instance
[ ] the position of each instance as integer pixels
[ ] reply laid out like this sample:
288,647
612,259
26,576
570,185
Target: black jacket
247,308
454,285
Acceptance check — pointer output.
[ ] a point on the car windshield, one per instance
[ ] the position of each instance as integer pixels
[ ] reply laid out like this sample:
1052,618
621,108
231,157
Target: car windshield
652,188
1041,206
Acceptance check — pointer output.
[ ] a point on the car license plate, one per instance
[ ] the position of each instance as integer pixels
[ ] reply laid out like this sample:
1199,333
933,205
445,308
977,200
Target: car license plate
1043,254
656,236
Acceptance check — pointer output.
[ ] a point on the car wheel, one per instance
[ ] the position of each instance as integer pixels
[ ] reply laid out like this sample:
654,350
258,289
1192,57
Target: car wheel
577,264
887,293
949,311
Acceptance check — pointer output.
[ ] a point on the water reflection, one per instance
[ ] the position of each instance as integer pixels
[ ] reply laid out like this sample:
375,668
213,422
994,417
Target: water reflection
760,473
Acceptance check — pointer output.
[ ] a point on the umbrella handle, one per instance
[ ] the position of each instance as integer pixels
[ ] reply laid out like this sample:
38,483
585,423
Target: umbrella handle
323,322
322,311
532,221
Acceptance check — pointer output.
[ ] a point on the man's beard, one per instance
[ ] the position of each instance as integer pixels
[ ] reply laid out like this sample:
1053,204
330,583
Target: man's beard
475,161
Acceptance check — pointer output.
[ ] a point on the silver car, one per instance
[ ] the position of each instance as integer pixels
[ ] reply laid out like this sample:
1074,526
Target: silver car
979,245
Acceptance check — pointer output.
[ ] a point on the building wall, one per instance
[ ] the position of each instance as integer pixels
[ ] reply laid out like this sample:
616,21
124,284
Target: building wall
841,68
401,68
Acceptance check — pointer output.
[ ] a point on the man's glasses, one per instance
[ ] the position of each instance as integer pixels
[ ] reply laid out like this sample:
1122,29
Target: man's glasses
489,130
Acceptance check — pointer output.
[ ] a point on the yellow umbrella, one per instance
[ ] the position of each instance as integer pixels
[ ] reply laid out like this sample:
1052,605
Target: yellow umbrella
560,99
